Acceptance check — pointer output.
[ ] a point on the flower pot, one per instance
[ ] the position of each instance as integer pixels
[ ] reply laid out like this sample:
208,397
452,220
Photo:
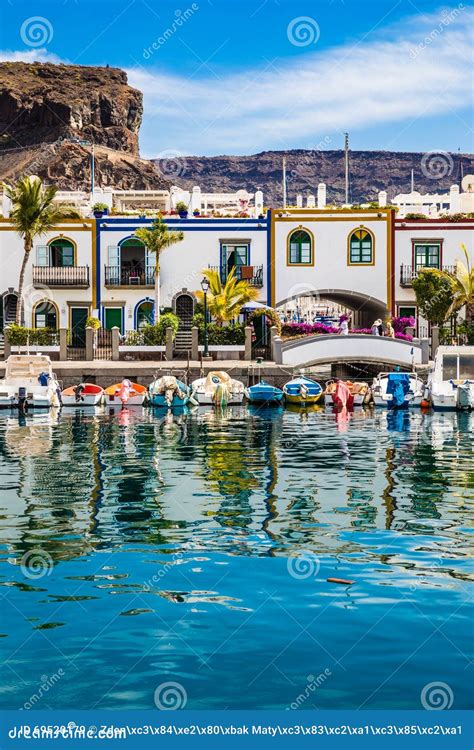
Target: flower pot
98,214
183,214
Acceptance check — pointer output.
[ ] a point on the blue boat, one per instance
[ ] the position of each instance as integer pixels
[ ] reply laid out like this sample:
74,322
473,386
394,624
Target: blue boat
302,391
264,393
168,392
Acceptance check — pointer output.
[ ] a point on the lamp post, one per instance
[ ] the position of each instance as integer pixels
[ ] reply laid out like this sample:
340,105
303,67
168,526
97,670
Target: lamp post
205,289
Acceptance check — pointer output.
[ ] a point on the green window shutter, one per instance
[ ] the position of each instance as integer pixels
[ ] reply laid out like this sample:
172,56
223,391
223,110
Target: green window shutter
113,255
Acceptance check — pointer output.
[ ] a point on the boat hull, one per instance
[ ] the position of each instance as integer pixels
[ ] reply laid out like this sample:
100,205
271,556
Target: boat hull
300,401
123,395
206,399
263,393
159,388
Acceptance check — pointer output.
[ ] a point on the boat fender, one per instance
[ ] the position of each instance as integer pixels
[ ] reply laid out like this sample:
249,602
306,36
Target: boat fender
22,400
193,401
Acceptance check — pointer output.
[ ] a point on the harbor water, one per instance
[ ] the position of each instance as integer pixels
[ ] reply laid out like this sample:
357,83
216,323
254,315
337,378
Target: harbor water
150,558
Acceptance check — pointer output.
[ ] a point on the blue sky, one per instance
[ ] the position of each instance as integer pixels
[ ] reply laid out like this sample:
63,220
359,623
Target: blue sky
242,77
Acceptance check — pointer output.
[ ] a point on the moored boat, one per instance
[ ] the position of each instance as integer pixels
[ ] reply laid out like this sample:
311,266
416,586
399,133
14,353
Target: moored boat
83,394
168,391
451,378
398,390
264,393
29,382
125,393
217,388
302,391
333,395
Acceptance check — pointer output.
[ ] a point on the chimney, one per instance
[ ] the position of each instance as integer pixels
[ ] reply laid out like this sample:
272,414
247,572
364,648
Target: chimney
321,195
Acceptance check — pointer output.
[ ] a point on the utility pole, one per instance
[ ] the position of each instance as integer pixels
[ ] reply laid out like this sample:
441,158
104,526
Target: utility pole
412,180
284,182
346,166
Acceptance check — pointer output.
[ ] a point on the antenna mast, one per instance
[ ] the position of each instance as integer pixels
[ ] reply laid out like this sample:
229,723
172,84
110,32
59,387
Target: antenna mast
284,182
346,165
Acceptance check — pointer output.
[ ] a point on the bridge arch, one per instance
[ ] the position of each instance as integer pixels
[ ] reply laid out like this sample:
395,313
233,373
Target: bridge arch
366,308
329,349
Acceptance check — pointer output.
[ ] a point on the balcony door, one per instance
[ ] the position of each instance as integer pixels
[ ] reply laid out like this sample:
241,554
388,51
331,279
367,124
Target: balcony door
59,253
233,256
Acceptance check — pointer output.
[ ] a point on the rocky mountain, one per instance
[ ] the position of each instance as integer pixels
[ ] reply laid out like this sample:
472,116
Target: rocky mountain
370,171
46,110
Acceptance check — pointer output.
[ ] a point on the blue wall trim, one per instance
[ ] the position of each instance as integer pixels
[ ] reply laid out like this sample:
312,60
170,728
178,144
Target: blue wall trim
98,270
269,257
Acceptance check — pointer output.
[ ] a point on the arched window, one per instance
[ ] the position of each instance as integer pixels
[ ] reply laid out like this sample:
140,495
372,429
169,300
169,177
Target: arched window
144,313
361,247
59,253
46,315
300,248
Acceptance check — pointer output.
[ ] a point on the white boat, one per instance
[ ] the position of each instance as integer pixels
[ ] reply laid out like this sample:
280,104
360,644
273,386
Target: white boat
83,394
451,379
398,390
29,382
217,388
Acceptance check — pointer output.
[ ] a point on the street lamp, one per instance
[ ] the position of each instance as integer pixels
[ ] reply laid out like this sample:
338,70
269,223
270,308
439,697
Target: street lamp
205,289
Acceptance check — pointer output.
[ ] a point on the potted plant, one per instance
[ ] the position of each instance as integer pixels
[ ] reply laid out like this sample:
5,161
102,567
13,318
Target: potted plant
99,209
182,209
196,212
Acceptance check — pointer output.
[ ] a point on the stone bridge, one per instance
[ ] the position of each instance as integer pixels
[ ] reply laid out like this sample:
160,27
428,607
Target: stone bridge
330,349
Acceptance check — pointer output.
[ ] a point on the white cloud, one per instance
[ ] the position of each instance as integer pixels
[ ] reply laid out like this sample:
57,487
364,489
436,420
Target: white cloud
422,69
31,55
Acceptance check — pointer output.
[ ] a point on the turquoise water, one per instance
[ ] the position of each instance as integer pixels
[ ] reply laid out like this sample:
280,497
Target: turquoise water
139,549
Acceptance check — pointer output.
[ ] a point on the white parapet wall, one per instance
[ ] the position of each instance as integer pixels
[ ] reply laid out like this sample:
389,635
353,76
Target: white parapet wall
355,348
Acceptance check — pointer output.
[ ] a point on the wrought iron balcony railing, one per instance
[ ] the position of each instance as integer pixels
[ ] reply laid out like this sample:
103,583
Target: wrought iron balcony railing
118,276
252,274
66,276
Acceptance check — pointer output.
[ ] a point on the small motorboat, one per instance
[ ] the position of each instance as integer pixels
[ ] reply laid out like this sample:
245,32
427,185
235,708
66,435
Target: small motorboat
302,391
451,379
29,382
83,394
217,388
264,393
125,393
168,391
359,391
398,390
465,395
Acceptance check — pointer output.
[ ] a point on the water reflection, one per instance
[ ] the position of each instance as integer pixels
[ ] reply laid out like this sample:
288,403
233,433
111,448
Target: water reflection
268,479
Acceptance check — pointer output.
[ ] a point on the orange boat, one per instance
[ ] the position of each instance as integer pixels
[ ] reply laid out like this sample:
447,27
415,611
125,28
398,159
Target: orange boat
125,393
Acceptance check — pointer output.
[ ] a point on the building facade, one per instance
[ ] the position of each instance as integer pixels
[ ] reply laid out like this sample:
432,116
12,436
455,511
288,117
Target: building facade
363,260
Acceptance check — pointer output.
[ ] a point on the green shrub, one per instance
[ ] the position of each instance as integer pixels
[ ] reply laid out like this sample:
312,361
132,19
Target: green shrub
21,336
155,334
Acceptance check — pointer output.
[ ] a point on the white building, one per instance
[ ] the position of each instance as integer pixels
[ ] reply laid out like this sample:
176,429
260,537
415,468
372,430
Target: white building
360,259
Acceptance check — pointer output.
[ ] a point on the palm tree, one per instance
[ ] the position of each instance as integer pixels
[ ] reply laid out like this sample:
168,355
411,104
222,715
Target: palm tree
156,240
226,300
462,281
33,214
